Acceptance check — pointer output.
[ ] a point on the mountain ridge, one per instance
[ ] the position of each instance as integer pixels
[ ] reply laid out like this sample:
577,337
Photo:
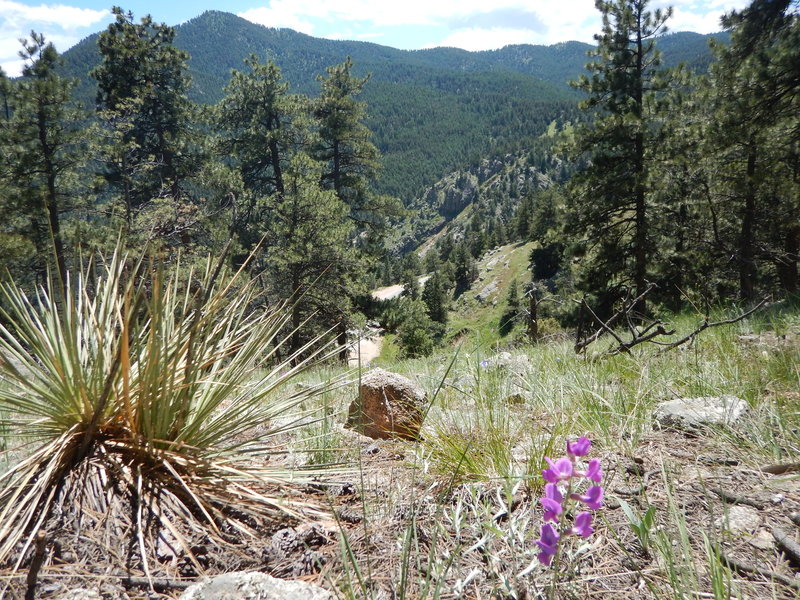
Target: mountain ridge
431,111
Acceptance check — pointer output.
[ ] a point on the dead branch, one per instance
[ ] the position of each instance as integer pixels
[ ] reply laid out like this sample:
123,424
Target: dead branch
707,325
747,569
787,545
639,334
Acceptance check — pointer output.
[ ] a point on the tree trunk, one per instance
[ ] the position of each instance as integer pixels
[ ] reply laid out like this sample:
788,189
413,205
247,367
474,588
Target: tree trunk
51,200
747,267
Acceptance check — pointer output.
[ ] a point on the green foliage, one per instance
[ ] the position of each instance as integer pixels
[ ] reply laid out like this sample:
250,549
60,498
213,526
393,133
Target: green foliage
44,146
611,206
307,258
642,524
436,297
146,118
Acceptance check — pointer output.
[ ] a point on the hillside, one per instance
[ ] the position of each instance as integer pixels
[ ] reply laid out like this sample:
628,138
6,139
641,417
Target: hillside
431,111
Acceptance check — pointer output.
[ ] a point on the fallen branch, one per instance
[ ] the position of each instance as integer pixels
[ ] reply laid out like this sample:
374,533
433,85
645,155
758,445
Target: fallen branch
606,326
159,584
747,569
39,553
646,333
726,496
787,545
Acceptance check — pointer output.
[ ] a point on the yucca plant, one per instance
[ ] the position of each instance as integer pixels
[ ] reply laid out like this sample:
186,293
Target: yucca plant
130,401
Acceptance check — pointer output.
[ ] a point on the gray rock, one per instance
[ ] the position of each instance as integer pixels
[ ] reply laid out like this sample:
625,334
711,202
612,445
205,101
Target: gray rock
740,519
695,413
515,363
80,594
254,586
487,291
388,406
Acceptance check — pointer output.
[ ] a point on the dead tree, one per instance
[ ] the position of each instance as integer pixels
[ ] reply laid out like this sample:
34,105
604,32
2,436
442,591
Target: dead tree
629,330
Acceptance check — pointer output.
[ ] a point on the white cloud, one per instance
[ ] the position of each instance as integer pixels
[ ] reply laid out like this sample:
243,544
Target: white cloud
476,23
17,16
488,39
700,17
278,16
62,25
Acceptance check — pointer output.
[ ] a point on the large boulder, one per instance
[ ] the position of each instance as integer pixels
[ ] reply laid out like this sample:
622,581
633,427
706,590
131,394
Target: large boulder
388,406
253,586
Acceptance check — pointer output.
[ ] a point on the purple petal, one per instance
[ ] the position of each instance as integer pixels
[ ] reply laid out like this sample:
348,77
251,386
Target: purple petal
551,509
559,470
594,472
545,558
583,525
593,498
549,536
548,543
551,491
579,448
549,475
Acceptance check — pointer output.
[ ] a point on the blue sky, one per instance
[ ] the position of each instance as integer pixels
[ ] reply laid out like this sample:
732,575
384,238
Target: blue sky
410,24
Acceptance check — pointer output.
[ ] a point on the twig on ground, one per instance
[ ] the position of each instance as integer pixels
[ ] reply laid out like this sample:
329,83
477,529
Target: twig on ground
747,569
159,584
781,468
730,498
787,544
39,553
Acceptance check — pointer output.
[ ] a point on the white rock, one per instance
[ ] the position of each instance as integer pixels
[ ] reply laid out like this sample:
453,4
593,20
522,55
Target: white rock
694,413
254,586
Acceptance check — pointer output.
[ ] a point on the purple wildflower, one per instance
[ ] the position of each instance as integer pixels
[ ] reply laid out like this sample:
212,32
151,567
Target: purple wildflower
564,478
560,470
583,525
593,498
580,447
548,543
594,472
552,502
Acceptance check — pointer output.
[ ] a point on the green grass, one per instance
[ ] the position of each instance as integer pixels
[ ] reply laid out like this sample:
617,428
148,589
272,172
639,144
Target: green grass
492,424
456,514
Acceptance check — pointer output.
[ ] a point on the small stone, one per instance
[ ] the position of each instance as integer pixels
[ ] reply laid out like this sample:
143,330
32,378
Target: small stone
739,519
776,498
761,540
78,594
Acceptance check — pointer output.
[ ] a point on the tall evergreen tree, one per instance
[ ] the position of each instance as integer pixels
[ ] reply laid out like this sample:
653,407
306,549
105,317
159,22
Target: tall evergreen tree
753,142
43,149
262,127
308,260
142,84
345,147
610,204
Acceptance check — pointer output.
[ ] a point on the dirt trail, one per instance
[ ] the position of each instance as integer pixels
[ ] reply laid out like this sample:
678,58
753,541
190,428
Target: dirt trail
393,291
370,349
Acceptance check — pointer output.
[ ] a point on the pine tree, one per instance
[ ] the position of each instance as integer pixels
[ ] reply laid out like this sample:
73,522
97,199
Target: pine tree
43,148
610,204
141,100
262,127
345,148
753,142
308,260
436,298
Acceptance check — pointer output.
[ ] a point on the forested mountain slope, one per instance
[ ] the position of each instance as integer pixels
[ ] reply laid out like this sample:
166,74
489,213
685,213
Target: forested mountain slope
430,110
